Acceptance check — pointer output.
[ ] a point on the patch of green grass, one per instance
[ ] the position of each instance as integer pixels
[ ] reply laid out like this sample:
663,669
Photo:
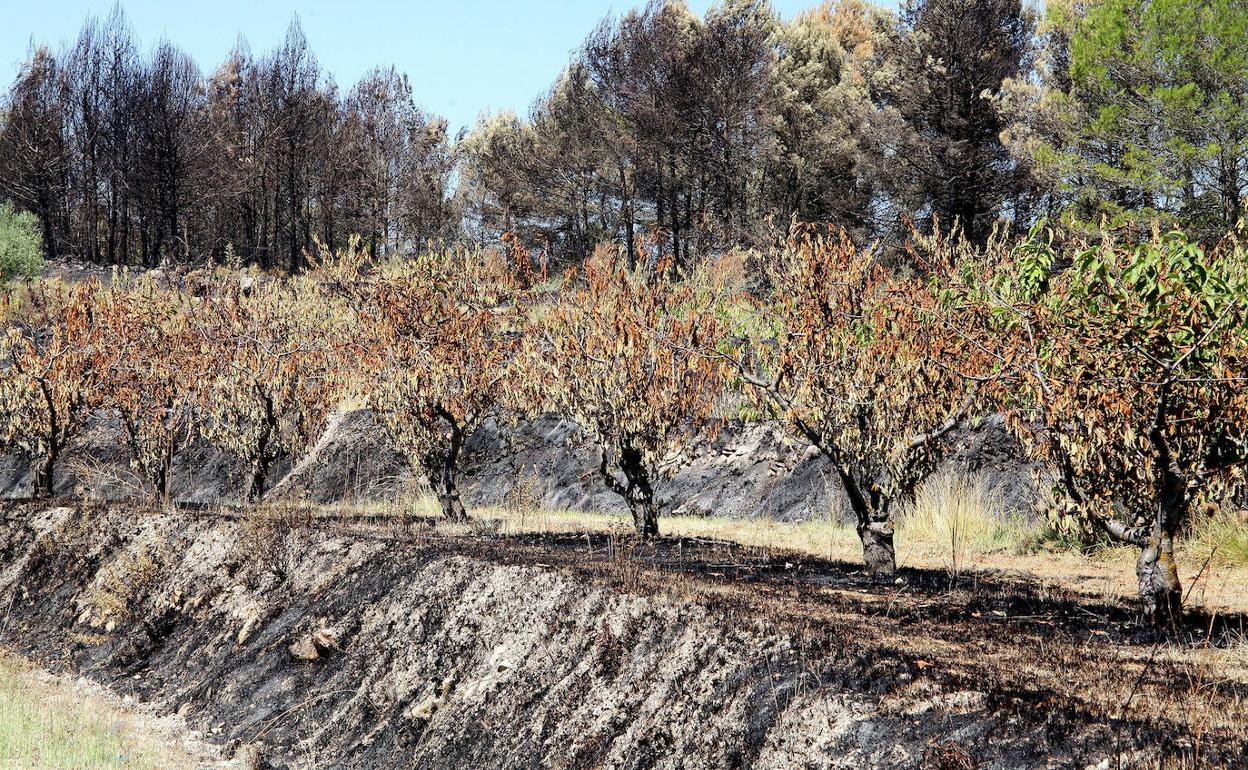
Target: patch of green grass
46,728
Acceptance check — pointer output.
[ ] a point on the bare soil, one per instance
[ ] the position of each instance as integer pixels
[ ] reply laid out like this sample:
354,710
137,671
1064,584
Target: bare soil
340,643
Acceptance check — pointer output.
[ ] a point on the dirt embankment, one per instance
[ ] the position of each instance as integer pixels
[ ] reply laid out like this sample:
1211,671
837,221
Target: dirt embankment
366,647
745,471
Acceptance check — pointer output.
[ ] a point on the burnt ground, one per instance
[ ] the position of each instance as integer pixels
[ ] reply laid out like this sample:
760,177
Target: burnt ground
745,470
359,643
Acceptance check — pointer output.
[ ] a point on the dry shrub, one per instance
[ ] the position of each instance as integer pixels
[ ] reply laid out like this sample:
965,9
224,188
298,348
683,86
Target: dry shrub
947,755
730,274
959,513
264,529
92,474
523,499
129,577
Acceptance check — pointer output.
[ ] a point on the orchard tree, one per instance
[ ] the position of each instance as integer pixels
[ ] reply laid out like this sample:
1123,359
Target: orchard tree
852,358
50,374
620,353
273,372
441,341
1133,362
156,369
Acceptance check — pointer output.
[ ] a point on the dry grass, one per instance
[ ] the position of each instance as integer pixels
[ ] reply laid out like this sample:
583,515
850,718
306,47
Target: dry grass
130,576
961,514
46,725
1222,537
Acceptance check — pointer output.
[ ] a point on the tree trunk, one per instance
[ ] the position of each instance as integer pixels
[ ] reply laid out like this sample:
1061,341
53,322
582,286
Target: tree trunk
875,526
626,209
263,457
259,474
49,235
645,517
674,210
452,507
638,492
123,253
44,477
660,214
1160,589
442,469
1159,577
878,553
630,240
162,479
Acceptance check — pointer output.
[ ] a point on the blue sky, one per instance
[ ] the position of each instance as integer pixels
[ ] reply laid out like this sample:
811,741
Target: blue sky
463,56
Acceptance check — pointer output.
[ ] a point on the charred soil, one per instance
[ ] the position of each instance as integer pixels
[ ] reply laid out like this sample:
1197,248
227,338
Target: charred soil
367,644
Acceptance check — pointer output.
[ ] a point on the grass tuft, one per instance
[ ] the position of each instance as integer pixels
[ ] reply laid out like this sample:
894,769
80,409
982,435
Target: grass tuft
960,514
1221,536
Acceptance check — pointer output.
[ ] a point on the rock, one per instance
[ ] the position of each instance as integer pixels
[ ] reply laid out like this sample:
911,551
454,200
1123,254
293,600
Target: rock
321,643
325,640
245,631
249,757
424,710
304,649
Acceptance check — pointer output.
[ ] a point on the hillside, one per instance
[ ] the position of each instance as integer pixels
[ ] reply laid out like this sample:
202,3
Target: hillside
744,471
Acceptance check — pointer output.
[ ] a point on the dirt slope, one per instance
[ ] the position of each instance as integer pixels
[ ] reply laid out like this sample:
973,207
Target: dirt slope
745,471
353,646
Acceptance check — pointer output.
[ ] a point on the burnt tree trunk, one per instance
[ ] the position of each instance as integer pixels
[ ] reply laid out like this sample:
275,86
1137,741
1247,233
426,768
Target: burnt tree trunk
265,455
874,525
44,478
645,511
1160,589
638,492
442,469
259,475
626,210
443,477
163,476
57,435
452,506
878,552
